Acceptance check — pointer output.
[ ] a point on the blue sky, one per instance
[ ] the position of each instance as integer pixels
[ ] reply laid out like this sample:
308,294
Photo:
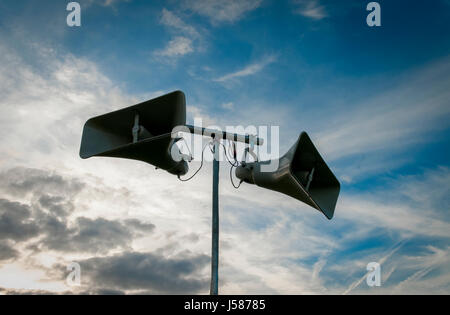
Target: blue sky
375,100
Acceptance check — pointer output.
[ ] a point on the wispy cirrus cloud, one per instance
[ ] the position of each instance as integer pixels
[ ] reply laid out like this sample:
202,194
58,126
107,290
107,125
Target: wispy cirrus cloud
421,266
378,127
222,11
178,46
186,40
248,70
302,252
104,3
169,19
380,261
112,2
310,9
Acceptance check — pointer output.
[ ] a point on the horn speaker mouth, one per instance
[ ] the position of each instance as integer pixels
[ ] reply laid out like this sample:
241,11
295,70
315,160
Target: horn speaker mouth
301,174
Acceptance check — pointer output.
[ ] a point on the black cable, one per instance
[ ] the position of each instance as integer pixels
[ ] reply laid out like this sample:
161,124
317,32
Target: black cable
201,164
233,165
236,163
232,146
231,178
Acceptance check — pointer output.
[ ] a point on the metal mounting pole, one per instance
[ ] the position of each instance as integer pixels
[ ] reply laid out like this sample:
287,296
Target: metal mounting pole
217,136
214,290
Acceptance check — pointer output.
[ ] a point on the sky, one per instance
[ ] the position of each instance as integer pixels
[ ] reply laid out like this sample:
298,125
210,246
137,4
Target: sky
375,101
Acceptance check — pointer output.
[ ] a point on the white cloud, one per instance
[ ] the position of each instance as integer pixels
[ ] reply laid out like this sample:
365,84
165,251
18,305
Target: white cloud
248,70
105,3
365,214
270,243
424,265
228,106
111,2
187,39
381,262
169,19
222,11
178,46
47,108
311,9
372,133
405,214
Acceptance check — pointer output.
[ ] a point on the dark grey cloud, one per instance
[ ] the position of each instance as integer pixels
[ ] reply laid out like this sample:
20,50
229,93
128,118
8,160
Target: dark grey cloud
7,291
16,222
57,205
7,252
45,219
101,291
112,233
86,235
139,226
20,181
48,216
148,273
192,237
20,222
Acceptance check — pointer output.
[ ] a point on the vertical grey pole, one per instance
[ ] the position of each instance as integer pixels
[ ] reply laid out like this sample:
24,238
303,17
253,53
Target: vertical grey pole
214,290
